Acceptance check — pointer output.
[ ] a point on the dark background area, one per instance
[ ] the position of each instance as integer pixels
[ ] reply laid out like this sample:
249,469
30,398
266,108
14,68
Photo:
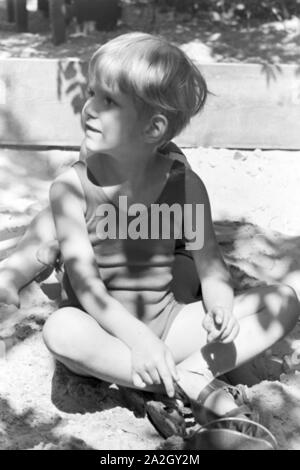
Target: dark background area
219,30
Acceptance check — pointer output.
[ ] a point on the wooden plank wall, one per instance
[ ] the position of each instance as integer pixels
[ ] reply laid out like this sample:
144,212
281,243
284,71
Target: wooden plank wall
251,105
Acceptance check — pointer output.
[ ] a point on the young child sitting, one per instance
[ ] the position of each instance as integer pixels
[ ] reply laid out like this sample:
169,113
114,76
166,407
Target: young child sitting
119,320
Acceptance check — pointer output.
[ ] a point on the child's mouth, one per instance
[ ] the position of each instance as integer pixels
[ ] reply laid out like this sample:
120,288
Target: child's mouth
88,127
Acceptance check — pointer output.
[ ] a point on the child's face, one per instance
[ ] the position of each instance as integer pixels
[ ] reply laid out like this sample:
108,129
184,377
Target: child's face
111,123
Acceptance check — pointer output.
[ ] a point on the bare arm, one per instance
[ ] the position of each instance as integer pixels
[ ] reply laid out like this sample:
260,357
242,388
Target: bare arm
213,273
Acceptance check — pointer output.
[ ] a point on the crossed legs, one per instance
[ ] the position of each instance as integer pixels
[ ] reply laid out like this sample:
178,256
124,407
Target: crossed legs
266,314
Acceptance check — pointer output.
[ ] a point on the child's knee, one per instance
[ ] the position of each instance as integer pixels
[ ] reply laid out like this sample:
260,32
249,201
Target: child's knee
59,333
52,333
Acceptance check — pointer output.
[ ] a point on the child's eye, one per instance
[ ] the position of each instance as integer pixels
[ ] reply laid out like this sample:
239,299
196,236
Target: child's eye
108,101
90,92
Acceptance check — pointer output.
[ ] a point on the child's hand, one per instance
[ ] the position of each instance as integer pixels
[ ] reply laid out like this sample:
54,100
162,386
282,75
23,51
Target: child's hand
153,363
220,325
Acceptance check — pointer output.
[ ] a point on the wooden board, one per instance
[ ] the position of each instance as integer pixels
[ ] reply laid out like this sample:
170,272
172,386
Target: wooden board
251,106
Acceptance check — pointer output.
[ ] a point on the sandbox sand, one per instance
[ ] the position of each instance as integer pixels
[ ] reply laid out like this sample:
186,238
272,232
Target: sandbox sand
256,206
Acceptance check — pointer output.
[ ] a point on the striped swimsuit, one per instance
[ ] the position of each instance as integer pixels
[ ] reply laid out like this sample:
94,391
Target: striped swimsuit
136,272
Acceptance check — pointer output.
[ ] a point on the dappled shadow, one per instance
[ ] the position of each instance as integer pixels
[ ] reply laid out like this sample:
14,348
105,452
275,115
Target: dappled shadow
26,431
73,393
278,408
72,82
278,404
11,127
272,72
10,237
28,166
262,44
38,41
256,41
257,257
266,255
16,328
265,366
26,176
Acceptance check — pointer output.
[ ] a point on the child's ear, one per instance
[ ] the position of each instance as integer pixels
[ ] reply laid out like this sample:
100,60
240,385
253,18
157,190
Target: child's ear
156,128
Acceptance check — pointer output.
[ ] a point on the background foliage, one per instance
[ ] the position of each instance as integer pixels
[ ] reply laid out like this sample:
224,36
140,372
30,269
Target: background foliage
239,10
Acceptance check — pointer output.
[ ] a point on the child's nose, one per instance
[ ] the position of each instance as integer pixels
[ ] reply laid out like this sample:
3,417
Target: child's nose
89,108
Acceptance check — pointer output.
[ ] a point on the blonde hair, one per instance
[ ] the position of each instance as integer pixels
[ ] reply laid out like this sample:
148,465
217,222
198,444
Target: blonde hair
156,74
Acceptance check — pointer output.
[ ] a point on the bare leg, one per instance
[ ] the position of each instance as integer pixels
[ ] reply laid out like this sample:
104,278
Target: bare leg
23,265
186,289
265,314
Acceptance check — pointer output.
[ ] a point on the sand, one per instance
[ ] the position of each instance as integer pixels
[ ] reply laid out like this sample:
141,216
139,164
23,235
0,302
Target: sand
255,204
